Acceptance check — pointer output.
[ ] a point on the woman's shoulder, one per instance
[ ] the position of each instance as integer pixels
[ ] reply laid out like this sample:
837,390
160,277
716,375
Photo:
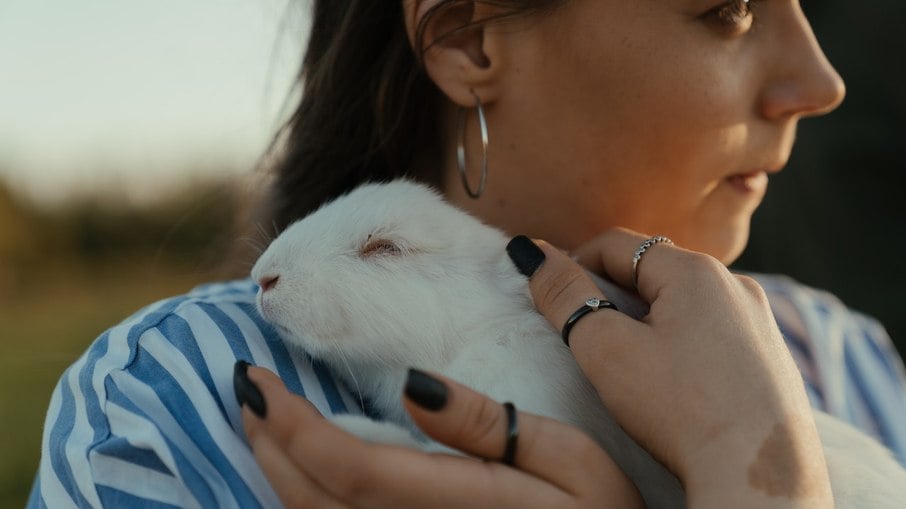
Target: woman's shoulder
207,323
816,319
779,286
154,395
812,313
200,335
850,365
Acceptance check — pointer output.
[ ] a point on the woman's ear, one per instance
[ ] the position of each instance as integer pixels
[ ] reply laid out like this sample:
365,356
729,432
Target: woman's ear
459,61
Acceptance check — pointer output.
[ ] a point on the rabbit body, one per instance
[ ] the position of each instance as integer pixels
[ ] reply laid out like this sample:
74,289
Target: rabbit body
390,277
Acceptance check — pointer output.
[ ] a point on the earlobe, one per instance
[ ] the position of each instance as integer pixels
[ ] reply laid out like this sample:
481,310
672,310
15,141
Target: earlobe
456,51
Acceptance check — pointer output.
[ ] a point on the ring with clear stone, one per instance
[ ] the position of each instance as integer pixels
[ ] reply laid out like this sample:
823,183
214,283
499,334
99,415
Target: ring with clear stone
591,304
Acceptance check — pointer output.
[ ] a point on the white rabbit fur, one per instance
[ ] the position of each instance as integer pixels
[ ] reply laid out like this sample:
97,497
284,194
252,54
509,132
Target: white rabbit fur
390,276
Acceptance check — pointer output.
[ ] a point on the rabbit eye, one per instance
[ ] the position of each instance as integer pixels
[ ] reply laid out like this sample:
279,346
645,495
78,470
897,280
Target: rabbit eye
379,247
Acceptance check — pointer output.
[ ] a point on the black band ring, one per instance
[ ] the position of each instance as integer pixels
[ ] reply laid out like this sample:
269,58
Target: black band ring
512,434
592,304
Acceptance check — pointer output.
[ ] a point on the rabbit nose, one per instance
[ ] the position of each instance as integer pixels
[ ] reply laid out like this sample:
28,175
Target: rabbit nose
267,282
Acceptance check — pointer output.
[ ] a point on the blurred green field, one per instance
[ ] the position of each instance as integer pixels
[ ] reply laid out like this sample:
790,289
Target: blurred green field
68,274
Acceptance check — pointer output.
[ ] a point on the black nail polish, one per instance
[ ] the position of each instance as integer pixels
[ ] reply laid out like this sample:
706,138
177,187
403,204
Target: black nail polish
425,390
526,255
247,393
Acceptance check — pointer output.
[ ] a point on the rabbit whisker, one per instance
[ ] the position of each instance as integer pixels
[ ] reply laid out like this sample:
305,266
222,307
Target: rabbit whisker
355,381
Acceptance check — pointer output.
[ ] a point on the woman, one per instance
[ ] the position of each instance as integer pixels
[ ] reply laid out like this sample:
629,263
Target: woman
660,117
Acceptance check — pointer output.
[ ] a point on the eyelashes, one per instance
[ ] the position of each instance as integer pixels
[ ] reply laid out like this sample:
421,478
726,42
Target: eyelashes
731,18
378,245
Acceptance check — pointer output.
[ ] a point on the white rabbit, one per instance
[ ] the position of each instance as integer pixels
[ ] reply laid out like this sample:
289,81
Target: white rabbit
390,276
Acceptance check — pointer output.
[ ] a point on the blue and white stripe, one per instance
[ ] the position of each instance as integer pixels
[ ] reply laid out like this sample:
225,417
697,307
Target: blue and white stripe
147,416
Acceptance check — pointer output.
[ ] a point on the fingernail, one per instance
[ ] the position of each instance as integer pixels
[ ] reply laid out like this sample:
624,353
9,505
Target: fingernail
247,393
425,390
525,255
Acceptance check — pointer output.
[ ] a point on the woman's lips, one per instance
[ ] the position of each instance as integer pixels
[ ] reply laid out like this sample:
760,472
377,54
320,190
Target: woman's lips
755,182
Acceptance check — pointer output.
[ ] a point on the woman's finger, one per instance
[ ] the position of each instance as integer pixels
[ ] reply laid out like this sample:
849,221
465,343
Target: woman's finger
612,254
560,287
294,487
620,245
461,418
611,348
367,475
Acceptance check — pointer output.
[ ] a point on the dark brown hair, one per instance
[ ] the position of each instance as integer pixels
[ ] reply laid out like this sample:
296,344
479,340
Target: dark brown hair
368,110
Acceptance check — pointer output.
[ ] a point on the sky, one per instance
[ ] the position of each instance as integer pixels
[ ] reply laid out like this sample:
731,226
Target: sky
131,95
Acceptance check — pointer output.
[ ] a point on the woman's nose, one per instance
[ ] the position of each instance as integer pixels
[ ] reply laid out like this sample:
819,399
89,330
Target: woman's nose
805,83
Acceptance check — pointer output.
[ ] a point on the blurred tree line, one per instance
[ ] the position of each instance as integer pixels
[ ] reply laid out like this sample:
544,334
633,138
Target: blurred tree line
835,217
193,231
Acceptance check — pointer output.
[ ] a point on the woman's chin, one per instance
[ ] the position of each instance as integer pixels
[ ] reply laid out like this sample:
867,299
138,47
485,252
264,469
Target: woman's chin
726,243
732,245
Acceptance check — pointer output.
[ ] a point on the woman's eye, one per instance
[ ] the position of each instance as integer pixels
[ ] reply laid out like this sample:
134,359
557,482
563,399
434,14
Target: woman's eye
731,18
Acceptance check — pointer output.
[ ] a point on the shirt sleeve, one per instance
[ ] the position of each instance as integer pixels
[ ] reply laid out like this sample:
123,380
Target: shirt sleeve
850,366
147,417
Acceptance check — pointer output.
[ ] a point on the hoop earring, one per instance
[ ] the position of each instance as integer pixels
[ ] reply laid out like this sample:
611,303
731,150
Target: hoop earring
461,149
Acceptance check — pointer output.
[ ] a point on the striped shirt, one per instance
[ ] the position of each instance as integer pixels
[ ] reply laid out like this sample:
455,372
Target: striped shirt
147,416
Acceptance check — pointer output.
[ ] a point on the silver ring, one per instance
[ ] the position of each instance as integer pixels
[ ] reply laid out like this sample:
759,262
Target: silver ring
638,256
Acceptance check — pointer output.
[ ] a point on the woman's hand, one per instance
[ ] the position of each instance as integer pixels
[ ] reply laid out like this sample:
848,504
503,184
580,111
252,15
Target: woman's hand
704,381
312,463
